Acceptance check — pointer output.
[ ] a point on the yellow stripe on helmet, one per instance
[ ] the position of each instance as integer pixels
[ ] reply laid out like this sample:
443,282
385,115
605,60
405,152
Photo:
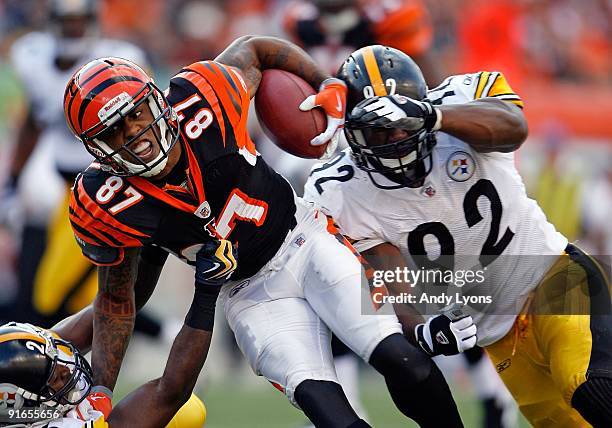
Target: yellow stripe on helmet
374,72
21,336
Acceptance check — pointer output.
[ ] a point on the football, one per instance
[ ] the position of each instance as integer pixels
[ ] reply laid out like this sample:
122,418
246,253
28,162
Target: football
277,105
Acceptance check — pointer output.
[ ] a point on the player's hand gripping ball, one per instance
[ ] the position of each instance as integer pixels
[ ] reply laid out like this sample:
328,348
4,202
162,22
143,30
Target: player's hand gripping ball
296,118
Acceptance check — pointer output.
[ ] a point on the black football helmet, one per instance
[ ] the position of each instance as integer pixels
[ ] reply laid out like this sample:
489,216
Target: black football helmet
380,71
40,370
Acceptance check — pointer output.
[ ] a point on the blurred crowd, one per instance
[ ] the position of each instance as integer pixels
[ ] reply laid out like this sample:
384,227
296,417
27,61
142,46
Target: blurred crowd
528,39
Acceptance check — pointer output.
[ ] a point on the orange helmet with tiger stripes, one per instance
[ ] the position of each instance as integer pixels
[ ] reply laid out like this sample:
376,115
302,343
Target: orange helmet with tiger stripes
100,95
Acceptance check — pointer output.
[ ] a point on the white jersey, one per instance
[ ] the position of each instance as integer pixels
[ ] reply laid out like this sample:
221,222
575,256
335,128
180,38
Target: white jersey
33,57
470,204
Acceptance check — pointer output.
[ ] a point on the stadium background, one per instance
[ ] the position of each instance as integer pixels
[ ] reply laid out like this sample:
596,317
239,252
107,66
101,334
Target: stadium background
555,53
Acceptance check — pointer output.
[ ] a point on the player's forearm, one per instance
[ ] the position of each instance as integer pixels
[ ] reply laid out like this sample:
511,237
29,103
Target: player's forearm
155,403
113,326
253,54
487,125
114,314
78,328
386,257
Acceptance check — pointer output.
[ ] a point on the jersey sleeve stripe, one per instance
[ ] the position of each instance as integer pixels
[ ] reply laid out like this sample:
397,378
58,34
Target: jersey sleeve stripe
88,223
234,97
221,88
96,229
204,88
102,217
240,130
502,90
78,226
81,233
105,232
492,79
482,81
234,92
229,79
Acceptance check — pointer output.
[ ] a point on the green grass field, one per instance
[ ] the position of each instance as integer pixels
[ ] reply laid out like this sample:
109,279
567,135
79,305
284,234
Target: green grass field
234,408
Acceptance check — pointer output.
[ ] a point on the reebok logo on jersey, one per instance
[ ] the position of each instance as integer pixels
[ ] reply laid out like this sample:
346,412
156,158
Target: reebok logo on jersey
460,166
237,288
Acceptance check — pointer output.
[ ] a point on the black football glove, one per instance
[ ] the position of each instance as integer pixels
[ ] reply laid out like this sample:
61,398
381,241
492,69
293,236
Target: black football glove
449,333
215,263
396,111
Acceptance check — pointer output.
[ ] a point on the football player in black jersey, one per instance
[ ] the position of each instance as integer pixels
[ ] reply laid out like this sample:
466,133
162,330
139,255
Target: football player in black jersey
177,172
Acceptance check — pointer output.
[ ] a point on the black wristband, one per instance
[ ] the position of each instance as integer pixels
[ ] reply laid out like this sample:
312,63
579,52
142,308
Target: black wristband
201,314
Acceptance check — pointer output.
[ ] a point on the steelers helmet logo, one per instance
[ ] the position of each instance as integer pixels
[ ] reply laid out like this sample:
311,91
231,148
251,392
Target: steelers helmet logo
460,166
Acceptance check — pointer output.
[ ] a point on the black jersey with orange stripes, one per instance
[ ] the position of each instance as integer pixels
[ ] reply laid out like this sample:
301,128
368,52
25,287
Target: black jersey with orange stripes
220,188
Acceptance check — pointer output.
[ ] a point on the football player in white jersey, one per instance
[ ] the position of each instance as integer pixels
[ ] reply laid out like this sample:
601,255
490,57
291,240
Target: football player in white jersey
46,160
430,179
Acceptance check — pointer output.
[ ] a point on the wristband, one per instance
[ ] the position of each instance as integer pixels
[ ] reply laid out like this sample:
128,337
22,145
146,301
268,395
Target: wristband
102,389
201,315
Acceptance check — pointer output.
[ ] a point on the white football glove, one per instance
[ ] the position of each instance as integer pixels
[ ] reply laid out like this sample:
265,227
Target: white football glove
449,333
397,111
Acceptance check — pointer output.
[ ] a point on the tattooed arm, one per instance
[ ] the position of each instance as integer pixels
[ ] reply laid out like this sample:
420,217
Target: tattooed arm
253,54
114,313
78,328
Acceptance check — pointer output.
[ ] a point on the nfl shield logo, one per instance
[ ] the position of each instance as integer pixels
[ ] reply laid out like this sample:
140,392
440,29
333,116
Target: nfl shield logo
460,166
203,210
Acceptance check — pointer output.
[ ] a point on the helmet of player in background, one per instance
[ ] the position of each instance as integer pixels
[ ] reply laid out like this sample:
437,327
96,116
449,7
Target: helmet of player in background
40,370
337,16
379,71
74,24
100,95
